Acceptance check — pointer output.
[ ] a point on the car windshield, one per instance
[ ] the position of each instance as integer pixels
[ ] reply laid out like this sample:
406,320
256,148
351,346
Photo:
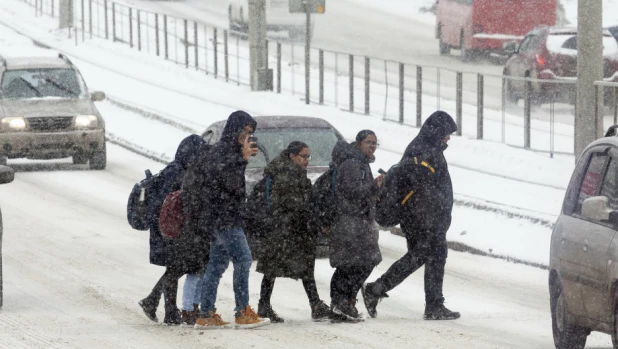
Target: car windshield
272,142
40,83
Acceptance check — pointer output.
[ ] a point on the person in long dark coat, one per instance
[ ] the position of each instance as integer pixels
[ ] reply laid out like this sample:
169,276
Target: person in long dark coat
164,252
289,250
425,221
354,249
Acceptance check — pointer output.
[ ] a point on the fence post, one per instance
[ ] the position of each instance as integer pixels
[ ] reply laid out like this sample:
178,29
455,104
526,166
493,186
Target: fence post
165,41
527,111
278,67
351,72
401,86
615,106
225,54
106,20
479,106
186,37
195,40
458,101
157,33
113,22
215,51
139,30
52,8
89,16
83,20
419,95
367,83
130,27
321,69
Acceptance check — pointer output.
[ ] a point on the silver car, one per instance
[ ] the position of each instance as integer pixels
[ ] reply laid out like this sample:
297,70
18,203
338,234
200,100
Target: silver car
583,269
47,112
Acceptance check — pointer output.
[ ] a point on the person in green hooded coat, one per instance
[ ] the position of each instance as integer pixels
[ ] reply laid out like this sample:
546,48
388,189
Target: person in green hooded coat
289,248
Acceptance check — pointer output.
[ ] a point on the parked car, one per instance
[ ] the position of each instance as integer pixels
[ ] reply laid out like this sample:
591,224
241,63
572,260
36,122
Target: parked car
583,266
614,31
274,133
484,26
47,112
278,18
550,53
6,176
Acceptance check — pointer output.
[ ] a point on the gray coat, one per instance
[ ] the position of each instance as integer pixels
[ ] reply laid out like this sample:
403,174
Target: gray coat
354,235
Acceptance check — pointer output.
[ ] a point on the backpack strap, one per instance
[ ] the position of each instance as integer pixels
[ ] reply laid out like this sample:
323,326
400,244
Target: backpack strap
268,184
403,202
424,163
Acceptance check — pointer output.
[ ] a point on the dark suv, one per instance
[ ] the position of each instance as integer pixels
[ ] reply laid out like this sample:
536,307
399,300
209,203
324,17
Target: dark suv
549,53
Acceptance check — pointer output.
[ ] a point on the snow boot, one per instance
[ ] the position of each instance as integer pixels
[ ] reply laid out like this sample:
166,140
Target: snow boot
439,312
371,299
266,311
212,320
188,317
247,318
320,311
345,311
172,317
149,308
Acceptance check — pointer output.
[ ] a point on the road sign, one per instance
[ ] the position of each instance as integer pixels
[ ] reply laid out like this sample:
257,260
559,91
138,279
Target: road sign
315,6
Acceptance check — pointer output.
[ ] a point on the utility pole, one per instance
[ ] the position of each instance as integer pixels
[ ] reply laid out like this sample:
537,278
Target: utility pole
65,16
257,46
588,124
307,51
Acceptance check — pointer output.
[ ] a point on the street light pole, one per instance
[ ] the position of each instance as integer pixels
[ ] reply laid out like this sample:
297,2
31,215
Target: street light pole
257,43
588,124
307,52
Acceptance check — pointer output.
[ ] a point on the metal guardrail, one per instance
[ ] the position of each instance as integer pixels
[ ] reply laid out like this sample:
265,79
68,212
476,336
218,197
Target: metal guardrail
539,124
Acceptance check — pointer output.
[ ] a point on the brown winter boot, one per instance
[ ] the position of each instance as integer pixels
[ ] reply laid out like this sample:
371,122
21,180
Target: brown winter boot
189,316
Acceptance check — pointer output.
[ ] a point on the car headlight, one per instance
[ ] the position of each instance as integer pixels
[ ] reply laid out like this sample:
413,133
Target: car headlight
14,123
86,121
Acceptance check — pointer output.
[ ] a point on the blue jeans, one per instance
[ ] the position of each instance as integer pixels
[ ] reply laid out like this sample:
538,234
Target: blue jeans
192,291
225,246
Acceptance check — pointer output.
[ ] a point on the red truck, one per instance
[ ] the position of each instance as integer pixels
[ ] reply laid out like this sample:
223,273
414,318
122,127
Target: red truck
478,27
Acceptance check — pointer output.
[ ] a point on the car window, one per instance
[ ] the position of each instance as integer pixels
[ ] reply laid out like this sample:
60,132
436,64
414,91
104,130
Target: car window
524,44
566,44
41,83
609,184
592,179
465,2
321,141
532,44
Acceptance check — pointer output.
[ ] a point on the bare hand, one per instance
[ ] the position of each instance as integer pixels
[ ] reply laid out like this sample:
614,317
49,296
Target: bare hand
380,180
247,151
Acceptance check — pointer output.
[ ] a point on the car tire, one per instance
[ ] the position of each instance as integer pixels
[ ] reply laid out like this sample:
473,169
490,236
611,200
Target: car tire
566,335
445,49
80,159
98,160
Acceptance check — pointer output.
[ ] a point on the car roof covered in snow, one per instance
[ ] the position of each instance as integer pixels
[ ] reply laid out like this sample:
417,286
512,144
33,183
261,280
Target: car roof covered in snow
281,121
13,63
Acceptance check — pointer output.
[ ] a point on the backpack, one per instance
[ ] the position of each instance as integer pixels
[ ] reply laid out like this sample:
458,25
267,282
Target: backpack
258,217
139,203
396,191
322,199
172,215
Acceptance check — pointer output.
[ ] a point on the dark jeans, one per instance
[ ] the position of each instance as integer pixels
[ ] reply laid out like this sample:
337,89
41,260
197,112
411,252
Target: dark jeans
268,283
168,286
347,281
423,249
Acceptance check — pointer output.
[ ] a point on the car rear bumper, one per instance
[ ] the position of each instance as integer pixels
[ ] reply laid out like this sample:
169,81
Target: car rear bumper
50,145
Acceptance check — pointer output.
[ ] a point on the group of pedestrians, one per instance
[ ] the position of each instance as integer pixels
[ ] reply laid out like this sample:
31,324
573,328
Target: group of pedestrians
217,212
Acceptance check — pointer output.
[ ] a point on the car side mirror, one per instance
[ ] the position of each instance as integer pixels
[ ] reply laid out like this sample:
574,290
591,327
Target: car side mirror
97,96
6,174
510,48
596,208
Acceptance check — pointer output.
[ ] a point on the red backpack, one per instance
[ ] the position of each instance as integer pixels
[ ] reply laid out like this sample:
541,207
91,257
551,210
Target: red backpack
171,216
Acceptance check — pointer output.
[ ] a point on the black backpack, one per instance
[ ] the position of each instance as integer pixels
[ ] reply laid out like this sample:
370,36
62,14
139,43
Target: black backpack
322,200
140,201
397,190
258,216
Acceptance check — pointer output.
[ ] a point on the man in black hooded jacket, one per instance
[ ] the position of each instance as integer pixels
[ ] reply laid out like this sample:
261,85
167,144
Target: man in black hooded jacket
425,221
214,193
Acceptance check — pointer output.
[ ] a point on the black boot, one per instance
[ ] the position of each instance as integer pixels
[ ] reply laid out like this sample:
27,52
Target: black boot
372,299
266,311
188,317
439,312
345,310
150,308
320,311
172,317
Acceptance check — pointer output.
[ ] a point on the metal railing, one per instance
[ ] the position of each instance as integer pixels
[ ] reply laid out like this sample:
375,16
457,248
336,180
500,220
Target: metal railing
400,92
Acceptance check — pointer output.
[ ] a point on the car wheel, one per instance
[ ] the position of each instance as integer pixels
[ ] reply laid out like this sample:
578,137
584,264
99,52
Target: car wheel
80,159
98,160
566,335
445,49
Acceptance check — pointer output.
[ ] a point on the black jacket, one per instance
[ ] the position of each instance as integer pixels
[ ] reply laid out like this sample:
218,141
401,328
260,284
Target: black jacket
431,205
289,249
161,251
354,235
214,189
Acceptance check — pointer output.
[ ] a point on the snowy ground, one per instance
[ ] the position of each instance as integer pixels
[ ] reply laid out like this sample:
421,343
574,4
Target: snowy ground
77,270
